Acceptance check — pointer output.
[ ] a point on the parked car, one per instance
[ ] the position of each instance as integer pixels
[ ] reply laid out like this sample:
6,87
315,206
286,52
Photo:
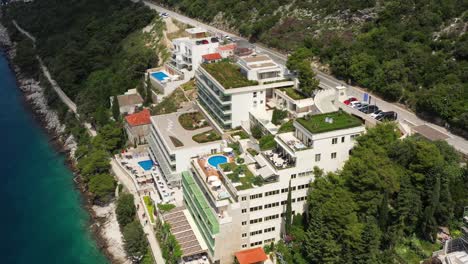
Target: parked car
369,109
362,106
350,100
387,116
355,104
376,113
164,15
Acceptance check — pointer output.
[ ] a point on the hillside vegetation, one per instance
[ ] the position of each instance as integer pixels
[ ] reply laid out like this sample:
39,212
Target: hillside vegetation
412,52
384,206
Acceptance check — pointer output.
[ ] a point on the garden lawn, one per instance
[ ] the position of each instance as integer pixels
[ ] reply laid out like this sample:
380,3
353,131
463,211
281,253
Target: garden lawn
207,136
228,74
150,206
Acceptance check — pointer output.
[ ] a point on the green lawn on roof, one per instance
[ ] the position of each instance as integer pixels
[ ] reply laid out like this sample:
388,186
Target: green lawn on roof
228,74
247,181
317,124
294,93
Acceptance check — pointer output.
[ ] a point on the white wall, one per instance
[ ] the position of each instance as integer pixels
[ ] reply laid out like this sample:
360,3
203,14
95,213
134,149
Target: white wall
243,103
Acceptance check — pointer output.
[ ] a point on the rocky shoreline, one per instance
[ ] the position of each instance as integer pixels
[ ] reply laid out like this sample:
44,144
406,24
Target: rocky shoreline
36,102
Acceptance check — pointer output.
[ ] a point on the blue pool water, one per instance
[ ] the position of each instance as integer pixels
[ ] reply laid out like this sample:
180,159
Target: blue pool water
146,164
159,75
216,160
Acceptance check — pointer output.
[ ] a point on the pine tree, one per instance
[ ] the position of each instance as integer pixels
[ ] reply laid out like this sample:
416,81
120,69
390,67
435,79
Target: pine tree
288,217
149,93
115,108
383,213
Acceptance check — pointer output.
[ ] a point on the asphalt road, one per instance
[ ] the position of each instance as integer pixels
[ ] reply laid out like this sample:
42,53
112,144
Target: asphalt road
326,81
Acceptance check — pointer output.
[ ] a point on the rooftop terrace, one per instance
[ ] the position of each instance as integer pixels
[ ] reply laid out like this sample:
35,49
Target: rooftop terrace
336,121
228,74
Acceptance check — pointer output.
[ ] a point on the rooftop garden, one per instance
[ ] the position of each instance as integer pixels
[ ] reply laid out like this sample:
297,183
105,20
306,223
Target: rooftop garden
267,142
318,123
241,174
294,93
207,136
228,74
287,127
170,104
241,133
192,121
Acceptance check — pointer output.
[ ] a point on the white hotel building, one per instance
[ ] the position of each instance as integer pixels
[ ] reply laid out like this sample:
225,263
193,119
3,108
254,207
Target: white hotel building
242,213
255,79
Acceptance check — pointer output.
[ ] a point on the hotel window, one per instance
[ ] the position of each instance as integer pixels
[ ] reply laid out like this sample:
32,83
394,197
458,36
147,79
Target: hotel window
293,176
317,157
244,222
256,196
333,155
342,139
284,190
334,140
271,205
255,244
254,94
258,232
244,245
244,234
254,221
261,101
271,217
244,198
272,193
269,240
270,229
244,211
256,208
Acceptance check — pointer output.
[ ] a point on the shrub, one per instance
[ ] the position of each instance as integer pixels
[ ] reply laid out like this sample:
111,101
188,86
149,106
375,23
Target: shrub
165,207
240,160
235,147
267,142
252,151
206,136
286,127
256,131
278,116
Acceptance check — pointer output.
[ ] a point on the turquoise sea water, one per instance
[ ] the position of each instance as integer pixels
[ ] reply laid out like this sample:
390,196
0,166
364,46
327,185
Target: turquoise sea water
41,217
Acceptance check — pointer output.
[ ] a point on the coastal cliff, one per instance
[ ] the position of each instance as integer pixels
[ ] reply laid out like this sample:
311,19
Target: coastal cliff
103,223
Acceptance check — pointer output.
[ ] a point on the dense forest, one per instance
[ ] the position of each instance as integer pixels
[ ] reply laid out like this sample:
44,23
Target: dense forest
94,50
412,52
384,206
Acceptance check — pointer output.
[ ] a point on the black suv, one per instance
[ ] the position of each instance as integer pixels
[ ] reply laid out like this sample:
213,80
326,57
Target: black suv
369,109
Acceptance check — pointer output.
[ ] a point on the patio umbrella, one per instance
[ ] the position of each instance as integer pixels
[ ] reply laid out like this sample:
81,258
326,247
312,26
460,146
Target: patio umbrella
216,183
227,150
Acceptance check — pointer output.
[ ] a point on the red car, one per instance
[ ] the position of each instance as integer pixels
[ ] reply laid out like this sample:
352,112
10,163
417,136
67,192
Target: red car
351,99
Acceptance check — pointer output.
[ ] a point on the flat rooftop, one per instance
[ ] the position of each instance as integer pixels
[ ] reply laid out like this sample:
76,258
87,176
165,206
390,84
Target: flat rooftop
336,120
430,133
228,74
174,134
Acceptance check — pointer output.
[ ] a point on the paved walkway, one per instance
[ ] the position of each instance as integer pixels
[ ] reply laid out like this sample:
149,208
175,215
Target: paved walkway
326,81
125,179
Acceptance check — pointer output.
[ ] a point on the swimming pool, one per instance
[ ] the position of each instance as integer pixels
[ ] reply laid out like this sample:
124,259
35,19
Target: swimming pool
146,164
216,160
159,75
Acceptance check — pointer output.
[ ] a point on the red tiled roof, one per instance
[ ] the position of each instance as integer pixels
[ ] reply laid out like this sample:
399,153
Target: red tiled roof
140,118
227,47
212,56
250,256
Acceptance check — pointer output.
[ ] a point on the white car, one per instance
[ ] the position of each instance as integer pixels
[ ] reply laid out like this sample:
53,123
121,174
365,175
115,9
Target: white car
376,113
355,104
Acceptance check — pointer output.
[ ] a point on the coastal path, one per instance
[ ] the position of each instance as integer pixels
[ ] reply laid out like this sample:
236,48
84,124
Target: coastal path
61,94
326,81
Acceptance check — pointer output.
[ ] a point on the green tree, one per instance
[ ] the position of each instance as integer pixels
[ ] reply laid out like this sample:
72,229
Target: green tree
256,131
135,243
288,215
148,93
125,209
110,138
115,108
96,162
102,186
